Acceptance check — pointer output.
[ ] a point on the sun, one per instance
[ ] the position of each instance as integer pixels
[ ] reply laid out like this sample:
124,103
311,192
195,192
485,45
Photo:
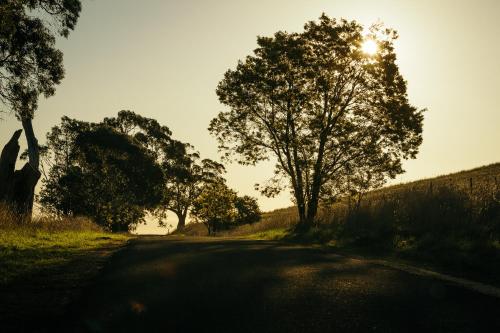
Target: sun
370,47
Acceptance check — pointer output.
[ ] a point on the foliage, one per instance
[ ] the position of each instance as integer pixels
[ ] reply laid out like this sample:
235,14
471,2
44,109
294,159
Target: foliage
214,207
220,208
47,243
30,64
185,182
247,210
329,113
98,172
185,174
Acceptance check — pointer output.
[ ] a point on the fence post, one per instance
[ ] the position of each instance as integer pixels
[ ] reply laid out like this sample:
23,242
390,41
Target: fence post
430,188
470,184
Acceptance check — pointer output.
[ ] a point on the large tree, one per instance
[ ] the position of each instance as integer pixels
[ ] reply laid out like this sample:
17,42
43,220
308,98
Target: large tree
30,66
98,172
185,180
185,174
322,106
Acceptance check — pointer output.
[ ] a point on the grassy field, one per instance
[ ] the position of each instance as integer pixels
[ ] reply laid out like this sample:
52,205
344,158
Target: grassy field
44,264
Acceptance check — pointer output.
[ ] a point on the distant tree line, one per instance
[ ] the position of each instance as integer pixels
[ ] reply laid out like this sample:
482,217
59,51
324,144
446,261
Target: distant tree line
123,168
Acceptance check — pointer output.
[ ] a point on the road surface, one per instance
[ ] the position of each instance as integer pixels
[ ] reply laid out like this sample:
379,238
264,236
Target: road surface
165,284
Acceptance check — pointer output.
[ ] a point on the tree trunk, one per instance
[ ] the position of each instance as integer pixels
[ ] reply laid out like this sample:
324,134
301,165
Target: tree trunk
7,168
301,209
33,148
30,173
312,209
25,181
313,204
303,225
182,222
17,187
207,224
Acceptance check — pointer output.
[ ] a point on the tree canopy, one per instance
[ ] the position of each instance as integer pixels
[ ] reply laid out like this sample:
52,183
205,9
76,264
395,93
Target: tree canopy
247,210
101,173
323,108
214,207
185,173
218,207
30,66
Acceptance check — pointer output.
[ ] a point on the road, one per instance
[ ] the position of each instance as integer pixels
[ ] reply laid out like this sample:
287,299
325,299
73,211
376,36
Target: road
164,284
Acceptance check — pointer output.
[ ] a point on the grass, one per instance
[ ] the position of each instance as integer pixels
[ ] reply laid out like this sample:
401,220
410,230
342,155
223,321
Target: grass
46,242
45,263
271,234
25,252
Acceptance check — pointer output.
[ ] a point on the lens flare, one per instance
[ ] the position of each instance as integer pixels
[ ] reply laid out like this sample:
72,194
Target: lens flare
370,47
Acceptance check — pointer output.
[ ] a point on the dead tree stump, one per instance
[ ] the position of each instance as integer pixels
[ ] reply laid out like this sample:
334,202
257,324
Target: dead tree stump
17,187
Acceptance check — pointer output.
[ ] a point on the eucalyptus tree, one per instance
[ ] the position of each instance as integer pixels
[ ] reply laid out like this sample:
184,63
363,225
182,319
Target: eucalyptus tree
321,105
185,180
247,209
215,207
30,66
185,173
100,173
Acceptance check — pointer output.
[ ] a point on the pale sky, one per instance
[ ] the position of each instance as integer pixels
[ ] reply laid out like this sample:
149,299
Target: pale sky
163,59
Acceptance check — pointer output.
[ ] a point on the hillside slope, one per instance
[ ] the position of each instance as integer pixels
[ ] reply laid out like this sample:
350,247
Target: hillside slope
481,178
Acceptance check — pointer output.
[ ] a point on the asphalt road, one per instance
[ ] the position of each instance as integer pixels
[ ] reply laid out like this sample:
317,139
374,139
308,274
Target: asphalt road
162,284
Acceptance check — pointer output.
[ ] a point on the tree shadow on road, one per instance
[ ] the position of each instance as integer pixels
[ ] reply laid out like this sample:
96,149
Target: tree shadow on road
260,286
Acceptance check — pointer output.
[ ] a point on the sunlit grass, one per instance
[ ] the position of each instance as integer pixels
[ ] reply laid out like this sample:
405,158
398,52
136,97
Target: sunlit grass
272,234
47,243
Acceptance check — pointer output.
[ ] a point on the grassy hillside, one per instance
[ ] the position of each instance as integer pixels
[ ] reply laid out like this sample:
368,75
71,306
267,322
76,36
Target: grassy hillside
452,221
485,180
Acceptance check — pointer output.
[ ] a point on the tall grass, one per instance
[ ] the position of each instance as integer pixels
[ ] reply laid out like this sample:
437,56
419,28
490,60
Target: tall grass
436,215
278,219
45,243
9,221
460,211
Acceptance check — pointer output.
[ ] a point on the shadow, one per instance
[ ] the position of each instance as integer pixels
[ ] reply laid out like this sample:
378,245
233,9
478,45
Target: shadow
212,285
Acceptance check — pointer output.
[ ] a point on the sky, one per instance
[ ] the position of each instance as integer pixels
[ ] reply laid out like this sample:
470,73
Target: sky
164,58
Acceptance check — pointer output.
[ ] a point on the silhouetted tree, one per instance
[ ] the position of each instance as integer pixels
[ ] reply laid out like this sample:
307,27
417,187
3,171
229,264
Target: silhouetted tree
247,210
321,106
100,173
214,207
30,66
185,181
185,174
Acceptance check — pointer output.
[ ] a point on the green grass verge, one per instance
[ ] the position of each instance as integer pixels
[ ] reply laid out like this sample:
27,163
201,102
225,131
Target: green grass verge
272,234
24,252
